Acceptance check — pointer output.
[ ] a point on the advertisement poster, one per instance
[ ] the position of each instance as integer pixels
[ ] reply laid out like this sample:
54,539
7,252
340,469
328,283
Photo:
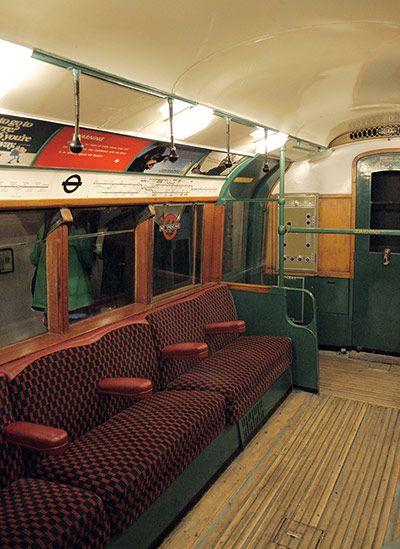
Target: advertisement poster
101,151
21,138
214,164
154,159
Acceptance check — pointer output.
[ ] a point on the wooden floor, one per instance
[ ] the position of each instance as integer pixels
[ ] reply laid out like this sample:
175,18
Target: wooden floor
324,471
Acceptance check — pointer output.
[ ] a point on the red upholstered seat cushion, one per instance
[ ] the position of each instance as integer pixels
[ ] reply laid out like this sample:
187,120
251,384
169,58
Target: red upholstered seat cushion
131,459
242,371
37,513
40,438
228,327
194,349
134,387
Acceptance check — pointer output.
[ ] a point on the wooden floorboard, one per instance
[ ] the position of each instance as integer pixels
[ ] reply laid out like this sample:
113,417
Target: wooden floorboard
370,382
324,471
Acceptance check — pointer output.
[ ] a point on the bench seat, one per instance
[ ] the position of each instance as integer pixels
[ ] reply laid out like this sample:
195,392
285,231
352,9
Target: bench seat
133,457
241,371
38,513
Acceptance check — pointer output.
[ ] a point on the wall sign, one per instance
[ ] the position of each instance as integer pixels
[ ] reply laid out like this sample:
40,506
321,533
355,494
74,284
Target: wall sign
22,138
101,151
6,260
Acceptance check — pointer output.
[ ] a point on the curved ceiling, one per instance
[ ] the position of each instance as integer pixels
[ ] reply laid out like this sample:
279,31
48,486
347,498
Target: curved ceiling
310,68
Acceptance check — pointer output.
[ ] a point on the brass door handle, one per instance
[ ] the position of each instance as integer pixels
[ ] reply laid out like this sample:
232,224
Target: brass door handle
386,256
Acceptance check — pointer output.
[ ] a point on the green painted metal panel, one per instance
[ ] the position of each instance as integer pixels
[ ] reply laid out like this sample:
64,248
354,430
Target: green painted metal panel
332,295
333,330
251,422
376,286
266,314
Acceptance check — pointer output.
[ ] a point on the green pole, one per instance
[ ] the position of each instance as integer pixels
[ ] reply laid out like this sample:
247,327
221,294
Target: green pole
385,232
281,206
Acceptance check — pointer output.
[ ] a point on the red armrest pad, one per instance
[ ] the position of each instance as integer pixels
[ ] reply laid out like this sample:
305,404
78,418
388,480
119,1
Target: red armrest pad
136,387
194,349
34,436
229,327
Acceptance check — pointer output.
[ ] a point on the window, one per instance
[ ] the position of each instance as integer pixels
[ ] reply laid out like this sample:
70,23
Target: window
101,259
385,209
22,286
177,247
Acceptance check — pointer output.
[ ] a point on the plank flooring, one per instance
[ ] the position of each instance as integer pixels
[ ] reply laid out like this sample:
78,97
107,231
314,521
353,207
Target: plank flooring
372,382
323,472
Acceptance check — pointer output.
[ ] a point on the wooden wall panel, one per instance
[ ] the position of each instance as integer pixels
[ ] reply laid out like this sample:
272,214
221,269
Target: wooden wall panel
335,252
271,240
144,261
213,238
57,279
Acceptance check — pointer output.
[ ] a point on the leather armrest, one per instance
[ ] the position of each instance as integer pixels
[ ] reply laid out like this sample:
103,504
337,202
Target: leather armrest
194,349
136,387
229,327
42,438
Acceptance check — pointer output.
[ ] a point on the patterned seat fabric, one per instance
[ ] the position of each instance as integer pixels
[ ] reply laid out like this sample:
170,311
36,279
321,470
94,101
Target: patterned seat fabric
60,389
132,458
11,464
37,513
242,371
184,321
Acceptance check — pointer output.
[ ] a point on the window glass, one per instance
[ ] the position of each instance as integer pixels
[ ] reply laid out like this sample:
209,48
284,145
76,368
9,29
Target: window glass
22,274
385,210
101,259
177,247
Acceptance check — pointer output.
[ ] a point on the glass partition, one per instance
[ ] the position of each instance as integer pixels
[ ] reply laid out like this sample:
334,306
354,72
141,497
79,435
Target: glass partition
243,242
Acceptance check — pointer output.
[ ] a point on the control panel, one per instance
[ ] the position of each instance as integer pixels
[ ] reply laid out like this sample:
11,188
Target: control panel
301,210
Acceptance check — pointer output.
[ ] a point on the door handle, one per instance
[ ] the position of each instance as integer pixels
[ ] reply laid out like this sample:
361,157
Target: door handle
386,256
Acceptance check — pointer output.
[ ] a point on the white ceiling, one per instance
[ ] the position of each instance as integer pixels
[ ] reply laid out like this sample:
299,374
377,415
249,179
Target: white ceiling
311,68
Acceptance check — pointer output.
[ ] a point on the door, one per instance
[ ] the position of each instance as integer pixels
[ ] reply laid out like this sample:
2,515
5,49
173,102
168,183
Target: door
376,305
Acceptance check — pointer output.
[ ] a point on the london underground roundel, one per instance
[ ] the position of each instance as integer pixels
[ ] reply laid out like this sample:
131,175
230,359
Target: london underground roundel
170,226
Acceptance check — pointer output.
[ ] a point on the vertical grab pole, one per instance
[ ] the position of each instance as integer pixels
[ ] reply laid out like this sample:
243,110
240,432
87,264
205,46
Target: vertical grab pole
281,205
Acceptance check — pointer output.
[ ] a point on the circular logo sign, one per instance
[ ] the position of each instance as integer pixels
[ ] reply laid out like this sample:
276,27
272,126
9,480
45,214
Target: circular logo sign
72,183
170,226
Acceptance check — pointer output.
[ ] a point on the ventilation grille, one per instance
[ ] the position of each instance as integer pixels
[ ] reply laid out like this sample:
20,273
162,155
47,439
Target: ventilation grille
373,132
377,131
250,423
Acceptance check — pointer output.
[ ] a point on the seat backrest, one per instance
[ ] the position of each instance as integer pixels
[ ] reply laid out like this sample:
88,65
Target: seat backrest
11,464
60,388
184,321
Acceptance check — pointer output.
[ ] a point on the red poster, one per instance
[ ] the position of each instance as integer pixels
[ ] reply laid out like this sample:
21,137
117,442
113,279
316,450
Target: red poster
101,151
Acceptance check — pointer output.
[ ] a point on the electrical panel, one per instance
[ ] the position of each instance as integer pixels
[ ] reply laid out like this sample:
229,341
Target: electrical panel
300,252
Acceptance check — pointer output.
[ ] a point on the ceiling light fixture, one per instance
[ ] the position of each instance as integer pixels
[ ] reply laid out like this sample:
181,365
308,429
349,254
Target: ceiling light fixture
268,140
15,65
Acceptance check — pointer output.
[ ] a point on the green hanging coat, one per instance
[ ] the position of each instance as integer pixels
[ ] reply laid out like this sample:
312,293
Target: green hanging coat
80,257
